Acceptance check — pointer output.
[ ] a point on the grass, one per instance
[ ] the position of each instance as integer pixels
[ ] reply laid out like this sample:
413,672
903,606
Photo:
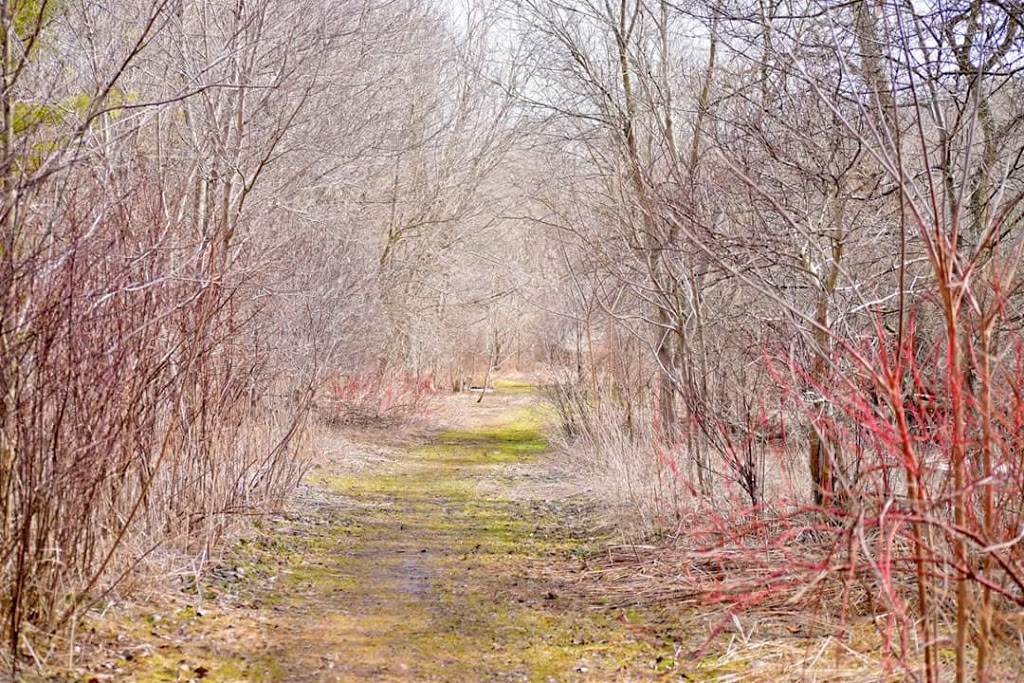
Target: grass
512,441
513,387
440,592
410,573
435,566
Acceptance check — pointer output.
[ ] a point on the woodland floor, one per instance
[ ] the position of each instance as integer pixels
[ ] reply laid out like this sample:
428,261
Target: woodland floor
449,555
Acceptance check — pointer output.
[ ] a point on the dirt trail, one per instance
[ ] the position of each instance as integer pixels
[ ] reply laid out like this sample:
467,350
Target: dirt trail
446,559
436,568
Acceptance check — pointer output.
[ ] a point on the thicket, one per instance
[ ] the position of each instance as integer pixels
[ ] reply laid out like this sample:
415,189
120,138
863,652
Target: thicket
793,231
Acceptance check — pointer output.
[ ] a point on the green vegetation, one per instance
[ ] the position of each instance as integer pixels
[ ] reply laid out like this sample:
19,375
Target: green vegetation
508,442
412,574
512,387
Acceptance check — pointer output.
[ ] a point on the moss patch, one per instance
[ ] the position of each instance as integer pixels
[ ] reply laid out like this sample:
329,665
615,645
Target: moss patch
511,441
511,386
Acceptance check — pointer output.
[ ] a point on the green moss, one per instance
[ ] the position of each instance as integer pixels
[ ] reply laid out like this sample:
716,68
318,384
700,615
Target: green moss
508,386
507,442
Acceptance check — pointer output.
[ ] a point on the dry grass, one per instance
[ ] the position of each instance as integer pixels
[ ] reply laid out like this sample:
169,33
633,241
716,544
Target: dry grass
773,583
795,631
683,591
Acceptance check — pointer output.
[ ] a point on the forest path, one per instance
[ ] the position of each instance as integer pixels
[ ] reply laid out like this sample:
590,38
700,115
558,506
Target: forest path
436,567
456,556
448,563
